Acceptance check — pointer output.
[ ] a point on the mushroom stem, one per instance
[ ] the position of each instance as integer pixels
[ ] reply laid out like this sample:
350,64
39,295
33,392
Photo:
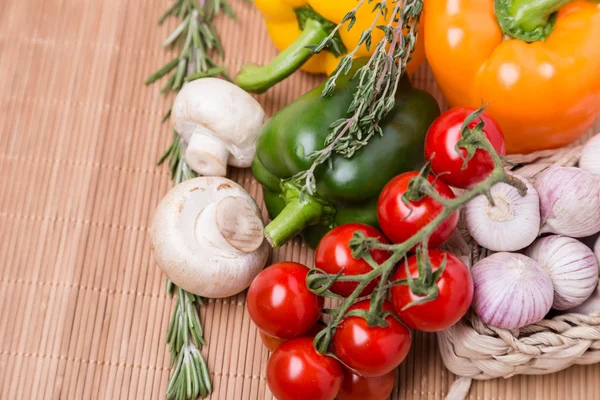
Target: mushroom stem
206,155
231,225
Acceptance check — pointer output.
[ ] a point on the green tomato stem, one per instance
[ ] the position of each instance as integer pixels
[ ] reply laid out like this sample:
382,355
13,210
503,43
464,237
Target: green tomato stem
258,79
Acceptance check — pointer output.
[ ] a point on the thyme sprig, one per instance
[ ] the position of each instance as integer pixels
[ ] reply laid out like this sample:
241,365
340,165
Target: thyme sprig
197,40
378,80
425,284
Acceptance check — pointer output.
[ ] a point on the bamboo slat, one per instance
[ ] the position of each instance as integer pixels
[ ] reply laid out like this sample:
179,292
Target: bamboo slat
83,312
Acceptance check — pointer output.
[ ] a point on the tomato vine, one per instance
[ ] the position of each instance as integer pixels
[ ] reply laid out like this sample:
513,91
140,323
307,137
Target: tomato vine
420,187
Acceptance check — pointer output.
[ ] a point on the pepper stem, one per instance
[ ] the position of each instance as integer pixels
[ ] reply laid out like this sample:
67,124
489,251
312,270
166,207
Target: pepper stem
258,79
528,20
299,212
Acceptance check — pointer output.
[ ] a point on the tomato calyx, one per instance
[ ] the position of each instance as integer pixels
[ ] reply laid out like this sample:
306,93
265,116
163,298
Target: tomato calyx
319,282
361,245
371,318
425,285
419,187
472,139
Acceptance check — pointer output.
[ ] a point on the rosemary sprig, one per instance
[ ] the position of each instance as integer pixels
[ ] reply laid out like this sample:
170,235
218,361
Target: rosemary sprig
190,377
197,39
378,80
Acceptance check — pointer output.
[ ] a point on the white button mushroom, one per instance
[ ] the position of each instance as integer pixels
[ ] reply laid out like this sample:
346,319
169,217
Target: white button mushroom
219,122
207,236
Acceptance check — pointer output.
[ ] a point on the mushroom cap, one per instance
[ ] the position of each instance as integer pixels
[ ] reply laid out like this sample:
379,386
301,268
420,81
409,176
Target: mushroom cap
196,244
223,110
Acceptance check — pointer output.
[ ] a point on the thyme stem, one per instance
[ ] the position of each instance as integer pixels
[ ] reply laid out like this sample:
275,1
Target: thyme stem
378,81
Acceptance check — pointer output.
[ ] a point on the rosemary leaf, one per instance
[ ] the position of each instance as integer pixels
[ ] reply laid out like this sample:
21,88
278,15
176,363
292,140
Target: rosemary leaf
178,31
162,72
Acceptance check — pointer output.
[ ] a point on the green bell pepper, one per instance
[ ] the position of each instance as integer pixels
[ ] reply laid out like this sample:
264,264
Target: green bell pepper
347,189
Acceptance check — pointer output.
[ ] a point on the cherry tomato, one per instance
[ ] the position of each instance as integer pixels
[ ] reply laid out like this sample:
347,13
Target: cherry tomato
371,350
399,222
355,387
280,303
296,371
334,255
272,342
446,162
454,299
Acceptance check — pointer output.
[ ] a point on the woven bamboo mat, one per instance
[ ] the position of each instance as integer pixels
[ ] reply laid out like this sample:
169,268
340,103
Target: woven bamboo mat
83,312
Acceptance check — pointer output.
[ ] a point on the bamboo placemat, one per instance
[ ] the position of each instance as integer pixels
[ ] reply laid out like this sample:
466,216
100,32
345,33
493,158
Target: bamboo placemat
83,311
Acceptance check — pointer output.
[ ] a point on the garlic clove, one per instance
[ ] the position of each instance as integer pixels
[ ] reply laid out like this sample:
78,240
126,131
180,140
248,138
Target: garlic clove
590,156
511,291
572,266
569,201
510,225
589,307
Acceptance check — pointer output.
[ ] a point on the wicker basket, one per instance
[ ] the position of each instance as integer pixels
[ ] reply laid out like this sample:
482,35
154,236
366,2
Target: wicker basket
473,350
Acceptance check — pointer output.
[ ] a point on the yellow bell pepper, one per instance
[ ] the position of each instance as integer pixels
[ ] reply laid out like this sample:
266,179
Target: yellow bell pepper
295,24
536,63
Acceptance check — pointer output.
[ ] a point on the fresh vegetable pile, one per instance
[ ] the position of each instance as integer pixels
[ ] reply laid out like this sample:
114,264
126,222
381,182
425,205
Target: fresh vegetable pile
369,173
348,187
429,290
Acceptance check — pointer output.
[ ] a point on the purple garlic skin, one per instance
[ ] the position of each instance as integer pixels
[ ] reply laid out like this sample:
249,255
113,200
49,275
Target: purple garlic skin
511,291
589,307
569,201
572,266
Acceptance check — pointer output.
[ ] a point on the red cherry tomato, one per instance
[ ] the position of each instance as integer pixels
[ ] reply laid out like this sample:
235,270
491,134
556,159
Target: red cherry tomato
333,255
355,387
280,303
371,350
296,371
446,162
272,342
454,299
399,222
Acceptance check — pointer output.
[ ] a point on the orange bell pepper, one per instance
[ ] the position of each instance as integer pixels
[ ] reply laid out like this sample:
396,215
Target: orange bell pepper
536,63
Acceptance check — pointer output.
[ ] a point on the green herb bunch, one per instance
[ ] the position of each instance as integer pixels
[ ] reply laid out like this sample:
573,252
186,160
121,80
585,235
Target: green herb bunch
197,41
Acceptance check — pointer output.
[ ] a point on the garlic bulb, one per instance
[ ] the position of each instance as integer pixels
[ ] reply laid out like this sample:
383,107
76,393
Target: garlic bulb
589,307
590,156
569,201
572,266
597,249
511,224
511,291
